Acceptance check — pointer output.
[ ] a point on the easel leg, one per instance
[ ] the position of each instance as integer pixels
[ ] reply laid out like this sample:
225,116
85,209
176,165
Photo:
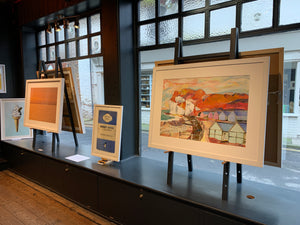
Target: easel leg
239,173
170,168
190,163
57,138
225,180
34,138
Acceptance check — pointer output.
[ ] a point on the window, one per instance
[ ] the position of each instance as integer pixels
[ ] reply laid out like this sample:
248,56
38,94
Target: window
198,23
79,49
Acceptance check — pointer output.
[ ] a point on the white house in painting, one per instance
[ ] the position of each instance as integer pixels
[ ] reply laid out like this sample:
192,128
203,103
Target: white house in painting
189,107
237,133
220,131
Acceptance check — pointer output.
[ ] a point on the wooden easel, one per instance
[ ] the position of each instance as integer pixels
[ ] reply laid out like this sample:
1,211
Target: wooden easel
179,59
58,69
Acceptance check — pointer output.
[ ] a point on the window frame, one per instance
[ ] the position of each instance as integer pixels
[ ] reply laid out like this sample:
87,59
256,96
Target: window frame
275,28
66,41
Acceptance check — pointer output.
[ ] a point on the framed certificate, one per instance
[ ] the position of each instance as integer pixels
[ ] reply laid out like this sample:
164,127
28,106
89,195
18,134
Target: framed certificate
107,128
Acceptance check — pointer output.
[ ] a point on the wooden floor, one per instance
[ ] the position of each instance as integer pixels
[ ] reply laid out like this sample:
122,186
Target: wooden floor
23,202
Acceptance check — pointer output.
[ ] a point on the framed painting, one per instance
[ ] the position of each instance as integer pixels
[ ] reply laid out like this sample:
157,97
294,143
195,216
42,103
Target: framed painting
44,104
107,129
212,109
74,98
12,118
273,141
2,79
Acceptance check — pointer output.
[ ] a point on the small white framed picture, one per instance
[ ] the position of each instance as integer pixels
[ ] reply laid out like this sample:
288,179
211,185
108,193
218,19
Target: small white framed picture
107,130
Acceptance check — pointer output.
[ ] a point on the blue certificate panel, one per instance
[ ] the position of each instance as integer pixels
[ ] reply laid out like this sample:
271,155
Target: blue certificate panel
106,145
107,117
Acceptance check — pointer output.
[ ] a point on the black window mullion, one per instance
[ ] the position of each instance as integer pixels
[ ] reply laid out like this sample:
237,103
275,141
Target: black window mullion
156,23
276,12
89,21
238,15
180,19
65,43
206,19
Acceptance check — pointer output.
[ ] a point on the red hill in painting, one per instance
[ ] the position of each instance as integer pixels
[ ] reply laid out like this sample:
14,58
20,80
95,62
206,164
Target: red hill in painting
211,102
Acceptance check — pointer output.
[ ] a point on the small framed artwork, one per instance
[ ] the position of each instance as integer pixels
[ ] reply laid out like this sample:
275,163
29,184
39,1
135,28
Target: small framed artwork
2,79
213,109
12,119
107,129
44,104
74,99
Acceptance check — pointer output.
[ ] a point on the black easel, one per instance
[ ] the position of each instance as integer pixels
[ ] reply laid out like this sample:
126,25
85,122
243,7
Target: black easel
178,59
43,74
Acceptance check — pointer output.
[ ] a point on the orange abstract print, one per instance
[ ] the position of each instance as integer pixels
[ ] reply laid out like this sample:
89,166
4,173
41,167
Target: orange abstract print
43,102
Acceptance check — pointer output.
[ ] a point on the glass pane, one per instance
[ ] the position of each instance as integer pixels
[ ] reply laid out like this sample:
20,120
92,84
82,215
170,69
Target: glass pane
71,49
168,31
96,45
146,9
42,38
193,4
83,47
213,2
43,54
50,36
289,12
71,31
221,21
61,51
95,23
289,81
193,27
83,27
51,53
147,34
61,34
257,15
167,7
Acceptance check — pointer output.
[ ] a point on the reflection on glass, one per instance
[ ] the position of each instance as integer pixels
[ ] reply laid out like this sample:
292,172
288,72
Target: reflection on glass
193,27
289,12
72,49
193,4
168,7
71,31
168,31
213,2
289,80
257,15
50,36
146,9
83,47
42,38
61,34
43,54
51,52
96,45
222,20
147,34
83,26
95,23
61,51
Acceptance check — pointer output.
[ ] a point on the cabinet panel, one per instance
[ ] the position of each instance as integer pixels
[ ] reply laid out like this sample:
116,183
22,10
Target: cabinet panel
130,205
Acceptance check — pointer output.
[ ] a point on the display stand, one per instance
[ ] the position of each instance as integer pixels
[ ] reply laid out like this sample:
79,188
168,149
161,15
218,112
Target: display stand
179,59
55,136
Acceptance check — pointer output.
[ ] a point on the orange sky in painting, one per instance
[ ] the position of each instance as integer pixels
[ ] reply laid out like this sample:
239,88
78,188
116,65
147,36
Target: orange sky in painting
46,96
43,104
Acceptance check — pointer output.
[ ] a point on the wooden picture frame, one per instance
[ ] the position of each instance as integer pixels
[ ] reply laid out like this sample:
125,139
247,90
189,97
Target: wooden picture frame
273,146
2,79
188,91
74,98
107,130
44,104
12,118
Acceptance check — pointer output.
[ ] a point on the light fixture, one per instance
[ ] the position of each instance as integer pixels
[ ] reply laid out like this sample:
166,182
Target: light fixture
49,29
66,23
76,24
57,27
61,20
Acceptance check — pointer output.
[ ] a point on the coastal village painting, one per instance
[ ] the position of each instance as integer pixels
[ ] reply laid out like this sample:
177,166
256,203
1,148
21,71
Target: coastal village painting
206,109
